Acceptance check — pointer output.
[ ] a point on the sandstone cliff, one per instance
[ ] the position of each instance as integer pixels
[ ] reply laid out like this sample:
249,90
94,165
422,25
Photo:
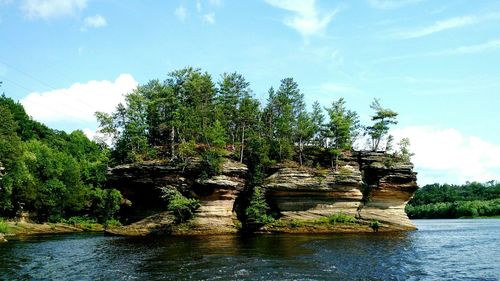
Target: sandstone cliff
141,184
369,186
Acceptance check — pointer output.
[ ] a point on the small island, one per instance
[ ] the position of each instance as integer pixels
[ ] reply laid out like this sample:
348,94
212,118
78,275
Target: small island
190,156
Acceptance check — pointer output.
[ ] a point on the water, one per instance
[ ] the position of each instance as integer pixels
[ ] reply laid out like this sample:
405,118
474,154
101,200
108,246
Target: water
439,250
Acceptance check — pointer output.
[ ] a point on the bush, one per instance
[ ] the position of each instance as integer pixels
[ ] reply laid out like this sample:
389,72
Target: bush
81,222
213,159
182,207
257,211
4,227
341,218
375,225
112,223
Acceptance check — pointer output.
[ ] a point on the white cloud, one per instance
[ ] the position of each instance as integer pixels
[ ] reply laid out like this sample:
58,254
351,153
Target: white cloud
462,50
79,102
306,19
47,9
443,25
471,49
96,21
391,4
181,13
209,18
447,155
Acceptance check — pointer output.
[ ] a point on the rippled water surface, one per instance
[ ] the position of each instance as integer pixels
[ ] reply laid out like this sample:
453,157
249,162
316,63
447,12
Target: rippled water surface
439,250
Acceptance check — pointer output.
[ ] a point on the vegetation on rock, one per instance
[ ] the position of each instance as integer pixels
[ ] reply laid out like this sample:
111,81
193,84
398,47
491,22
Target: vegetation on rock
183,208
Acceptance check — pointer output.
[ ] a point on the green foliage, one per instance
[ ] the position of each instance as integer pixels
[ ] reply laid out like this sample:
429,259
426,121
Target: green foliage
403,152
4,227
340,218
112,223
375,225
47,172
183,208
383,118
258,209
342,129
454,201
81,222
105,203
213,161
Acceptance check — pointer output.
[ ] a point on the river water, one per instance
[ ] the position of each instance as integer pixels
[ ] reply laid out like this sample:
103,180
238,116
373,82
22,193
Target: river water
440,250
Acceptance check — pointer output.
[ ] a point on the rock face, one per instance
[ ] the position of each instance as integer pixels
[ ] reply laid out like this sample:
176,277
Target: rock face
366,186
141,184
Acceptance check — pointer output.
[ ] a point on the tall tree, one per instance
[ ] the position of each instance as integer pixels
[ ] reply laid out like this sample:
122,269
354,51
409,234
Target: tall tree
283,109
318,119
304,133
383,118
233,88
341,130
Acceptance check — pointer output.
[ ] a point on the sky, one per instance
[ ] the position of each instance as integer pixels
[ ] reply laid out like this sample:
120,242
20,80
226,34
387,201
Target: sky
436,63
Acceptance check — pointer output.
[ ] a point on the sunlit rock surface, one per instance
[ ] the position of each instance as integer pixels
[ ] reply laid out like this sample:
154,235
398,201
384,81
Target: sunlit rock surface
369,186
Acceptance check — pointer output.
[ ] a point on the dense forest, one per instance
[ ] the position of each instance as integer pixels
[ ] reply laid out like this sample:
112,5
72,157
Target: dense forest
56,175
51,174
455,201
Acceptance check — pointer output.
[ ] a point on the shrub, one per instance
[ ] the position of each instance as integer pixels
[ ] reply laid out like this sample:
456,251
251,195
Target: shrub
112,223
257,211
341,218
4,227
375,225
213,159
81,222
179,205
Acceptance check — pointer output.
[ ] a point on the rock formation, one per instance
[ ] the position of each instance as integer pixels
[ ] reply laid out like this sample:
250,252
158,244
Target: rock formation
369,186
141,184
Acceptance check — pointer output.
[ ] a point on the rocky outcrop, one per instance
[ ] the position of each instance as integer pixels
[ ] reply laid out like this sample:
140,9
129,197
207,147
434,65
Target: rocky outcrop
141,184
367,185
390,185
307,194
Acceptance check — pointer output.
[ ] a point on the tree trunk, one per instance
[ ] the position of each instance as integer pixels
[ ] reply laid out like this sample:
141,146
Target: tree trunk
300,152
242,143
172,142
336,162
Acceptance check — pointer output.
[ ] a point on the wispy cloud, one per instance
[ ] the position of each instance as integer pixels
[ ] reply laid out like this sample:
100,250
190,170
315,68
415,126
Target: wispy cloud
391,4
306,18
209,18
48,9
96,21
462,50
443,25
181,13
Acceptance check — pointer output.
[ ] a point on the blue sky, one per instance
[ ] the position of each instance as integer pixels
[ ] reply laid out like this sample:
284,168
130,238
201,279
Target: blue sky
434,62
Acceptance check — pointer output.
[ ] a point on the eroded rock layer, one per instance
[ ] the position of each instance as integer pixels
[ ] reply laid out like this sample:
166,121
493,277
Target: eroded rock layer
141,184
369,186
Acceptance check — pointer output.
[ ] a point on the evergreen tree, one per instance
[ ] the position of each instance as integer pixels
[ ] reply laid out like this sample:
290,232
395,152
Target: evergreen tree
383,118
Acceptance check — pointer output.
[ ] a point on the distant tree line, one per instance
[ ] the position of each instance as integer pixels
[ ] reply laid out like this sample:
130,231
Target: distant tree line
51,174
455,201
